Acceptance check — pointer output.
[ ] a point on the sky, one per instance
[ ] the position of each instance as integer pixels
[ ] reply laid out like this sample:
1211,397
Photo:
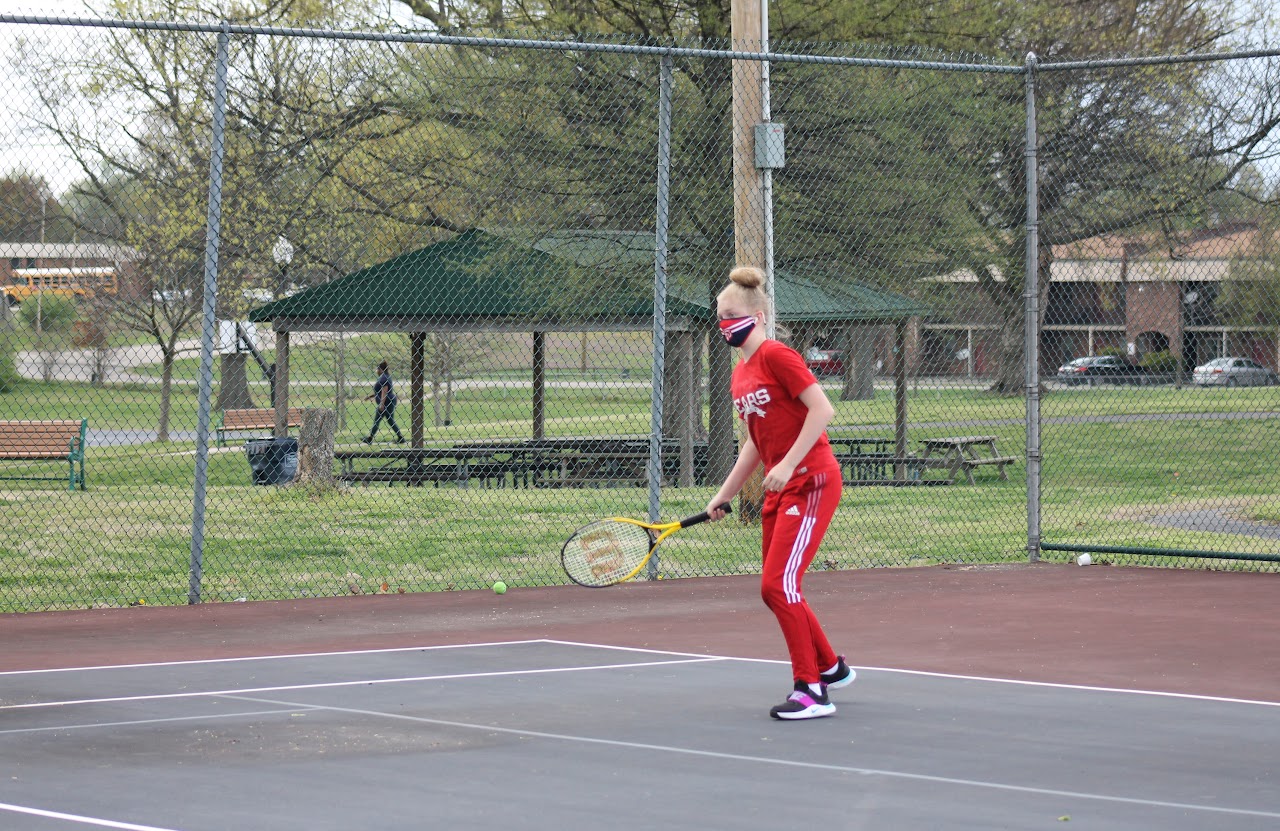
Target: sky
20,152
41,156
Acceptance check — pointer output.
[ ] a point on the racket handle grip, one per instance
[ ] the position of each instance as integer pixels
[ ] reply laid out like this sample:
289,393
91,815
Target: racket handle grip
704,516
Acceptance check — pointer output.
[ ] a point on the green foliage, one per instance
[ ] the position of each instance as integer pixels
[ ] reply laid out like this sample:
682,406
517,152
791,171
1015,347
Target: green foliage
50,314
8,368
1162,361
1251,297
30,213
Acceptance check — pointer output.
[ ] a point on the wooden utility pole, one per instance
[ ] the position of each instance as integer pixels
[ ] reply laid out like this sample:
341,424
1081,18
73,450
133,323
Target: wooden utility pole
748,183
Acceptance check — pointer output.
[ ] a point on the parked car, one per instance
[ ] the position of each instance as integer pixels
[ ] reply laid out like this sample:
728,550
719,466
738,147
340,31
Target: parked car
1101,369
824,362
1233,372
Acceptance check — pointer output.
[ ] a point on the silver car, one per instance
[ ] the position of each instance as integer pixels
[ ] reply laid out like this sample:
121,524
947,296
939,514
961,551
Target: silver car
1233,372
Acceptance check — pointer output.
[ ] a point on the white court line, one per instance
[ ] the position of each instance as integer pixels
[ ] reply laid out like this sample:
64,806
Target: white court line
928,674
100,823
60,728
703,656
770,760
363,682
196,662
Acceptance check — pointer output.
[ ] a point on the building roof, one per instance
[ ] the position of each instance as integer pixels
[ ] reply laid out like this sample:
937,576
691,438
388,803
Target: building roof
473,276
66,251
1222,242
809,292
1200,256
479,276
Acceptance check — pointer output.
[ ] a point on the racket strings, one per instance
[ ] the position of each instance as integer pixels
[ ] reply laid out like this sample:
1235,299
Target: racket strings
605,552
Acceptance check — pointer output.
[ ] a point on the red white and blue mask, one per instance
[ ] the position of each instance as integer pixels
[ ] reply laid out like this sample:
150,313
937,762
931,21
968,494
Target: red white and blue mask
736,330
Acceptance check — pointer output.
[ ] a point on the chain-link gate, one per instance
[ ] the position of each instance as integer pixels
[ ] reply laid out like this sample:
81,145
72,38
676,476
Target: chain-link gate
358,312
1157,269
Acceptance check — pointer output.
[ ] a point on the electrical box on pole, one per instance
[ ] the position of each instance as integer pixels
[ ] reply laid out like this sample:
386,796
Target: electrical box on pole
771,151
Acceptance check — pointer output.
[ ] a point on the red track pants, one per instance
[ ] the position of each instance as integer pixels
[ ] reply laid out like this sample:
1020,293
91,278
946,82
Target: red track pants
794,521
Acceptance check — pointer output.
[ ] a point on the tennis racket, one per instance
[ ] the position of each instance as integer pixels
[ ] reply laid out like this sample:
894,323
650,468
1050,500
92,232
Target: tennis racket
610,551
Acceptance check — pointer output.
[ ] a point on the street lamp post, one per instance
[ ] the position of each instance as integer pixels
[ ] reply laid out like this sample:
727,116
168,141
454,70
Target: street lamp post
282,253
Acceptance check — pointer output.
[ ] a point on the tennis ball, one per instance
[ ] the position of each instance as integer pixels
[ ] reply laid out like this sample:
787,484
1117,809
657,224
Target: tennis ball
499,587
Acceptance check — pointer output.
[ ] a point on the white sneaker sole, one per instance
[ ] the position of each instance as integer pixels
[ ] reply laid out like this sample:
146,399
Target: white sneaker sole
844,682
812,711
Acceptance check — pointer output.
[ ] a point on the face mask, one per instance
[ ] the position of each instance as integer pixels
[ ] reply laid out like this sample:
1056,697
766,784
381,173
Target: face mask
737,329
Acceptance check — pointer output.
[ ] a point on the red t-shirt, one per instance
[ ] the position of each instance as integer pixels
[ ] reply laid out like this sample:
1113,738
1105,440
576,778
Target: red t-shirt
766,394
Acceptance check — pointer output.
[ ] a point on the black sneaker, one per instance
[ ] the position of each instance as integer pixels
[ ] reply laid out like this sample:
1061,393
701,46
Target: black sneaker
804,703
842,676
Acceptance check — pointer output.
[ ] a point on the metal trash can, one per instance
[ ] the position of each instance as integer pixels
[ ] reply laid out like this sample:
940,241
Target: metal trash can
272,461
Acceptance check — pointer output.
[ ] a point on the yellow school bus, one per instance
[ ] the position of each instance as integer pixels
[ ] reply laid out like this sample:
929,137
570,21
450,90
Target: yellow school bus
82,281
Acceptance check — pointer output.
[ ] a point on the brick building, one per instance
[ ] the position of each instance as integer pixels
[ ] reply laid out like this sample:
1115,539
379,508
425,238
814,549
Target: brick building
1136,295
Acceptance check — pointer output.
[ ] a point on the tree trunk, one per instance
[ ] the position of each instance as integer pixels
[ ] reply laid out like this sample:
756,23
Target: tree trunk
1011,374
233,390
315,448
681,404
166,386
860,364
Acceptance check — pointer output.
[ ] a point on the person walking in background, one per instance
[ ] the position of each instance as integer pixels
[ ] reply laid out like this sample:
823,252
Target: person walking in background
786,414
385,399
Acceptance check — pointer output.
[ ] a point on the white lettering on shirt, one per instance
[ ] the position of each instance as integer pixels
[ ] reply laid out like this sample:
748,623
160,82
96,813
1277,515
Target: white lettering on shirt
752,403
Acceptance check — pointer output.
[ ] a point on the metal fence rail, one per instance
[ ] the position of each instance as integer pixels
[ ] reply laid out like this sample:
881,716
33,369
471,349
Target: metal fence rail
214,234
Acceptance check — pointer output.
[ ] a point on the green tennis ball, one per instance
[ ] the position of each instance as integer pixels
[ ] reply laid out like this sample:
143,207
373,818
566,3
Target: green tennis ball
499,587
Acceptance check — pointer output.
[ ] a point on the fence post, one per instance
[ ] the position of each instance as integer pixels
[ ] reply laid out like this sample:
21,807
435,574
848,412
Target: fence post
660,294
212,238
1031,326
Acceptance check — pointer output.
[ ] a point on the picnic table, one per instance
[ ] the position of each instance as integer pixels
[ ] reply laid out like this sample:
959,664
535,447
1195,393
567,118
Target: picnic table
427,465
963,454
873,461
556,462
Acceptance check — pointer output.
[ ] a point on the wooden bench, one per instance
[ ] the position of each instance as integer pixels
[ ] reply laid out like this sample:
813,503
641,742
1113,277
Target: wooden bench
242,421
961,453
60,440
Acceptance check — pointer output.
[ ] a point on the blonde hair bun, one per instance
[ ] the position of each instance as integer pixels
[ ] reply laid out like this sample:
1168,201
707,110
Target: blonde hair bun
747,276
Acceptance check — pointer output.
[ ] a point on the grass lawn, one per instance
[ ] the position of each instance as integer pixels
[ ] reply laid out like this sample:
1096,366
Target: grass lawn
1113,459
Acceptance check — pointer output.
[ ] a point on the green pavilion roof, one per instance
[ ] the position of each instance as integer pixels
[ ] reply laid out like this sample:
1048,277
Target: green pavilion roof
482,275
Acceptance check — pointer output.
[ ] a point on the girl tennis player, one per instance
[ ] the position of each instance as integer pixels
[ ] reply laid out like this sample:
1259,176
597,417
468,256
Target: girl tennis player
786,413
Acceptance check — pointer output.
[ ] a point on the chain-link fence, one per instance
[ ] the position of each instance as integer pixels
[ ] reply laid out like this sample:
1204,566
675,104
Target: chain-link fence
214,237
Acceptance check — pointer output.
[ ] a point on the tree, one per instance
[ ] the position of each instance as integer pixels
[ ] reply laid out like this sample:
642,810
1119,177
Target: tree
298,116
1251,295
30,212
1122,149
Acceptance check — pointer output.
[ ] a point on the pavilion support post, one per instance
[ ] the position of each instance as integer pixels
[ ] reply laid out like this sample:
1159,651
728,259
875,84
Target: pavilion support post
900,397
417,369
539,384
280,392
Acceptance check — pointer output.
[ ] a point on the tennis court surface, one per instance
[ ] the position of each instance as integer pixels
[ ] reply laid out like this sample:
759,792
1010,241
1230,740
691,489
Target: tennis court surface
988,697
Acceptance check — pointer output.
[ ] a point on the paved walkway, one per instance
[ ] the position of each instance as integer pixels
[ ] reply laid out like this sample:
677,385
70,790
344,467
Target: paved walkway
1216,521
79,364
